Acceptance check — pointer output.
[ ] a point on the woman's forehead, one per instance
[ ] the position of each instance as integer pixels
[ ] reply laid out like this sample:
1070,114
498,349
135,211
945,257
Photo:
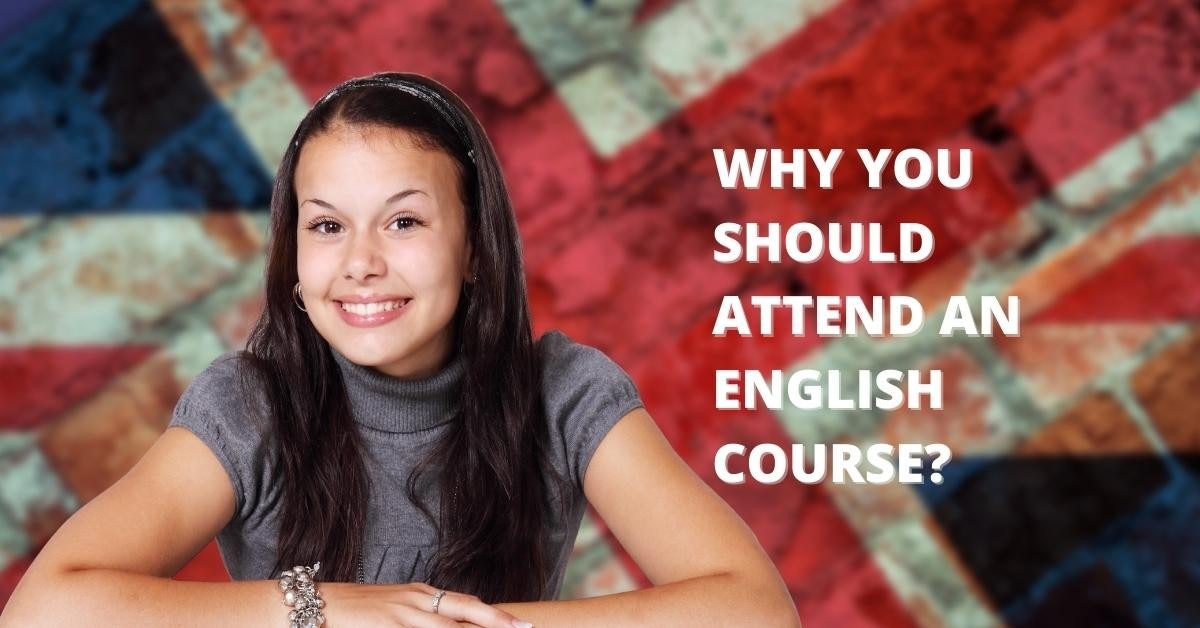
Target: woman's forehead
372,146
361,163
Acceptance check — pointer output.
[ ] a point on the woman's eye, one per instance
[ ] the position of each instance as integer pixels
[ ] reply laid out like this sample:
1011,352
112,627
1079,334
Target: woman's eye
405,222
317,227
329,227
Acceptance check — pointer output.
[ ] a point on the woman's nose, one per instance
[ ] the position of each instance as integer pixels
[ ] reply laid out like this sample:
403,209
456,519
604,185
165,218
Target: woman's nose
364,258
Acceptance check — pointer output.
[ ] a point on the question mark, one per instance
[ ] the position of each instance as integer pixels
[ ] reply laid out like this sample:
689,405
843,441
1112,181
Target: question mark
941,455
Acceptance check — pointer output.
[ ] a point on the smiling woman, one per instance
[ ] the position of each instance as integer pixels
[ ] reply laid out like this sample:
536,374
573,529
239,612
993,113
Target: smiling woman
379,209
393,447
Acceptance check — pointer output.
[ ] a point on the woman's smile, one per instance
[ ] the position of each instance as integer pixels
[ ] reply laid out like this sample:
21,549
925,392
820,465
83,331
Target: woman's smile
371,314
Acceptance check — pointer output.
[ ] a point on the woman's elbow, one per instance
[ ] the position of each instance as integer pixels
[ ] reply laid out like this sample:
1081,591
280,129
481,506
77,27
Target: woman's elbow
788,617
784,613
23,607
16,615
43,597
774,601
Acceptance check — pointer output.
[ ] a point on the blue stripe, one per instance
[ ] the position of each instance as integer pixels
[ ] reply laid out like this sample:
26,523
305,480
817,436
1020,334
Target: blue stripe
107,113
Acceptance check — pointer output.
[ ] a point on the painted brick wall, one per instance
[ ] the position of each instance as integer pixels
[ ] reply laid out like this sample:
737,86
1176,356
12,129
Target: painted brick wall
139,140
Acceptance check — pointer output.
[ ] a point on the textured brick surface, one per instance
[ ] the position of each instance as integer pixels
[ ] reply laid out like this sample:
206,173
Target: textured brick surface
140,138
967,420
1092,598
1082,352
1168,386
234,324
1014,519
968,55
1090,97
93,125
39,383
95,443
1097,423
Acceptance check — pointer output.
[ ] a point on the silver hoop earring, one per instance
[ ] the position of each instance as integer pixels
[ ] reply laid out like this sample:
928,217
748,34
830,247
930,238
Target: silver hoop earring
297,298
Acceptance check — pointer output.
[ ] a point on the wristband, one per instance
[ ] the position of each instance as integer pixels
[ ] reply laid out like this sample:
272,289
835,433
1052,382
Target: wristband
299,588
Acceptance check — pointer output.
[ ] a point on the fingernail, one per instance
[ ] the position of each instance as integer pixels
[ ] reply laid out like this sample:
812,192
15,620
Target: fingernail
521,623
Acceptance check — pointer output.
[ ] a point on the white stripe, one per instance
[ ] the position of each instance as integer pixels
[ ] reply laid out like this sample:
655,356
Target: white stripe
29,490
620,81
1173,133
102,279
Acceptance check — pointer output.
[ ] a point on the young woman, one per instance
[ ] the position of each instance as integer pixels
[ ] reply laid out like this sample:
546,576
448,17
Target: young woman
393,448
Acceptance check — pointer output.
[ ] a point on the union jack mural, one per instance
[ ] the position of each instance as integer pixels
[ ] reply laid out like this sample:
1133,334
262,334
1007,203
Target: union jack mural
138,140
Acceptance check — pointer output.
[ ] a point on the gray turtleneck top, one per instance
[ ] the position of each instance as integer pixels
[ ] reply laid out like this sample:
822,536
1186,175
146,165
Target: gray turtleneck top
584,392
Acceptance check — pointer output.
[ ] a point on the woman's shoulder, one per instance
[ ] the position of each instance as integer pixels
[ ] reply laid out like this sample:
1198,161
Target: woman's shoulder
224,406
565,359
229,380
224,401
223,369
585,393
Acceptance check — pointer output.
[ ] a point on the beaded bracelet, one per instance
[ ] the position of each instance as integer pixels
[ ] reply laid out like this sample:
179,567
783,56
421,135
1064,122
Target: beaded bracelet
299,588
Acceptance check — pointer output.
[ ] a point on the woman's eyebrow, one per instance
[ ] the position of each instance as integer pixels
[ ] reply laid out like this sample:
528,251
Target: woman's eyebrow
401,195
317,201
398,196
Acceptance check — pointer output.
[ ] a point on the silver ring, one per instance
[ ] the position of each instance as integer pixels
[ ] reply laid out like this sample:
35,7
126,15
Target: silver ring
437,599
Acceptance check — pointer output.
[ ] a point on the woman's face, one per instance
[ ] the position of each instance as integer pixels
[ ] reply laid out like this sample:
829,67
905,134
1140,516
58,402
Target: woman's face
381,223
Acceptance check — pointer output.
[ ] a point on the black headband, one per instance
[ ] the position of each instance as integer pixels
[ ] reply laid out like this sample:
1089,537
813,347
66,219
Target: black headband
425,93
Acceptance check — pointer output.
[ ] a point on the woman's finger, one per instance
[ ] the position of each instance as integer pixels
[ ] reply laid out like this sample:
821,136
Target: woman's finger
465,607
422,587
410,617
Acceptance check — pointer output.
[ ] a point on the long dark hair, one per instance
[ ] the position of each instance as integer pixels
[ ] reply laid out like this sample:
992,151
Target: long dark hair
495,498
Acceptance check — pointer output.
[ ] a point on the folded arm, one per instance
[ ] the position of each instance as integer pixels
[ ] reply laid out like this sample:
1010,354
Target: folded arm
705,563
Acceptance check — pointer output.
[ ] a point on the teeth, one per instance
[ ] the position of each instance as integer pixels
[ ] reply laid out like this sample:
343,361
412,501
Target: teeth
367,309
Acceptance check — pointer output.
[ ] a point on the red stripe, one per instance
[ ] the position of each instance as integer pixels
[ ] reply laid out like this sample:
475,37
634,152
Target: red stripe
1158,280
39,382
1091,99
206,566
924,75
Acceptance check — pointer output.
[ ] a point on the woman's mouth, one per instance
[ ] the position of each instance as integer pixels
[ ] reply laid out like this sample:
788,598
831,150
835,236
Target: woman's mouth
371,314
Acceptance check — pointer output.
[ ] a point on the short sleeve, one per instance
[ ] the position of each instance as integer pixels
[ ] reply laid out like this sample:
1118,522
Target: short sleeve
215,409
585,394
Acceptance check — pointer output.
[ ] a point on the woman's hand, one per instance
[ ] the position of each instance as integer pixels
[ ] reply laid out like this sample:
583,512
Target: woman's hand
408,605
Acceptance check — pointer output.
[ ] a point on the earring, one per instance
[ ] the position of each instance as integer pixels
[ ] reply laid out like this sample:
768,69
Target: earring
297,298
